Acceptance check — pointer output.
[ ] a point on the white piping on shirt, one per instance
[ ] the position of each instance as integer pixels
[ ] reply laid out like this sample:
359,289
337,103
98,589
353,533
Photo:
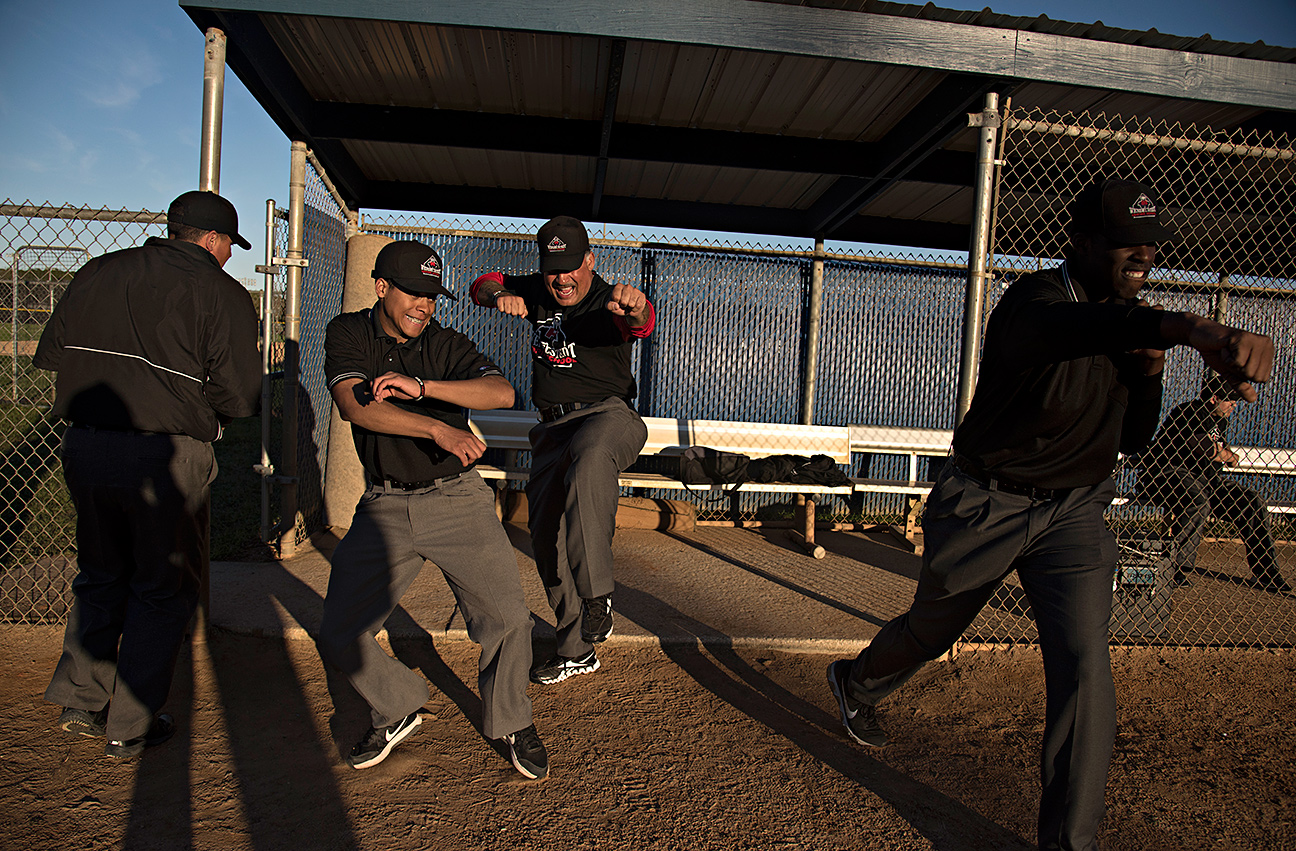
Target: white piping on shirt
136,357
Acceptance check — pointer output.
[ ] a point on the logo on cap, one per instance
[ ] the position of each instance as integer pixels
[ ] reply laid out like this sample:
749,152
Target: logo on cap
431,267
556,244
1143,207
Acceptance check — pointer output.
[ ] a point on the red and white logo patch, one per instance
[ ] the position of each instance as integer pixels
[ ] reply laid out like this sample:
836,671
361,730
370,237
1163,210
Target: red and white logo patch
1143,208
556,244
431,267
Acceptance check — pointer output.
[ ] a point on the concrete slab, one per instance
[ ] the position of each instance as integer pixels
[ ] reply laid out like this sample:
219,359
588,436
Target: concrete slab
714,585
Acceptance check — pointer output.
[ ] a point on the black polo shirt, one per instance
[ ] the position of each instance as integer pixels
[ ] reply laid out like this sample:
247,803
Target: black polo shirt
1057,395
355,346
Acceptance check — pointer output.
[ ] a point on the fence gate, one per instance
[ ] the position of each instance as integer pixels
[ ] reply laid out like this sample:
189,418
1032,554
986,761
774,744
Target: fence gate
1188,572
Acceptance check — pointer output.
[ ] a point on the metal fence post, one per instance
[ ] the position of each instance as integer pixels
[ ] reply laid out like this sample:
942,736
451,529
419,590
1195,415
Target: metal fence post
267,320
814,315
212,111
292,355
1222,299
647,346
989,121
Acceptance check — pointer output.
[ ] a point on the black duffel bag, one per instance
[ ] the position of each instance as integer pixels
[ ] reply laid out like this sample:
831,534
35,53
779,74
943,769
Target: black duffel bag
702,465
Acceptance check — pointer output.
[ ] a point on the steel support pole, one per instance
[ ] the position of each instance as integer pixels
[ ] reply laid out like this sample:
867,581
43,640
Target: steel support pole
803,533
978,253
1222,299
267,408
292,358
212,111
813,323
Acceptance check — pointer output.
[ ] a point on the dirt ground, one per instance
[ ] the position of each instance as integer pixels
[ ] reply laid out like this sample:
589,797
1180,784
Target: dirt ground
664,748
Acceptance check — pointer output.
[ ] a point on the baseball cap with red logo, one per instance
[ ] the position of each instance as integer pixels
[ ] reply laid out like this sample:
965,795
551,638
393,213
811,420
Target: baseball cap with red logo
563,244
412,266
1124,211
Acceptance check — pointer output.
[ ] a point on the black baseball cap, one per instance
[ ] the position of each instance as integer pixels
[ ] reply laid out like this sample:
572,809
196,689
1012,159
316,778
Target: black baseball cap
413,266
206,211
1124,211
563,244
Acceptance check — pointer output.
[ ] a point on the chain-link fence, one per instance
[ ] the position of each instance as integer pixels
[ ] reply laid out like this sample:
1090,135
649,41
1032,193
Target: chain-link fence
732,343
42,246
734,339
1204,518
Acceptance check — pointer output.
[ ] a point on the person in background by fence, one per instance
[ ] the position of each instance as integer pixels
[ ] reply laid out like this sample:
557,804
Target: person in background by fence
155,349
403,381
1183,471
583,329
1071,373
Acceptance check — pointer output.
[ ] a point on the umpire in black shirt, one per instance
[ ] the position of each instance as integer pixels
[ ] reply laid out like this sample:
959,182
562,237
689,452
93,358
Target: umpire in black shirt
1071,373
403,381
155,348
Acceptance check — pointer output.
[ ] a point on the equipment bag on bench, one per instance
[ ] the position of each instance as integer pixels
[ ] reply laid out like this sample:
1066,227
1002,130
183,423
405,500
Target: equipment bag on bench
702,465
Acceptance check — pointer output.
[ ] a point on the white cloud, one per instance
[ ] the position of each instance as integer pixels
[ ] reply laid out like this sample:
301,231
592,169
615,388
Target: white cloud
118,77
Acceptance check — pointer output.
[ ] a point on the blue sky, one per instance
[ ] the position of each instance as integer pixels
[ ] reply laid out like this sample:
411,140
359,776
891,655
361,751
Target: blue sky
101,100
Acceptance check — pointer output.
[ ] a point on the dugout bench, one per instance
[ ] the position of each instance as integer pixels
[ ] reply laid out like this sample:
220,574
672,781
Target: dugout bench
668,437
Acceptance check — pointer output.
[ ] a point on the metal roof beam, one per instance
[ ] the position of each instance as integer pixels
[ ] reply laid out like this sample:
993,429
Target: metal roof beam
844,34
615,63
926,127
487,202
261,66
640,142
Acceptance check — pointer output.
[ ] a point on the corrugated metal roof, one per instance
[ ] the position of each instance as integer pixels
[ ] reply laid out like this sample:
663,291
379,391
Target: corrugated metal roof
490,119
1097,30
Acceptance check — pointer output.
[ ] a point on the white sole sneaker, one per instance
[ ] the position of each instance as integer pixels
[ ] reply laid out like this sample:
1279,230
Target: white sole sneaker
396,738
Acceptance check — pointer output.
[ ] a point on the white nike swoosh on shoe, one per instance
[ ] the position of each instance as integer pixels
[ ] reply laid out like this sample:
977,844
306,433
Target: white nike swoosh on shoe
850,713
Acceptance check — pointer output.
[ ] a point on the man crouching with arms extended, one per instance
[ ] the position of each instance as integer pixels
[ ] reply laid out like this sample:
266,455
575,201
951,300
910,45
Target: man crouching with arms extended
402,381
582,332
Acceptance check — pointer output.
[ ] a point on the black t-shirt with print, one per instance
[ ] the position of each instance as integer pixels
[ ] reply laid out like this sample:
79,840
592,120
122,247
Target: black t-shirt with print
579,353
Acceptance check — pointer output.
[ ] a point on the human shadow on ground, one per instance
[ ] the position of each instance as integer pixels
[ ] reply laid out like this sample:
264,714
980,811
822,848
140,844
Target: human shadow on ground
781,581
875,549
946,822
162,801
286,785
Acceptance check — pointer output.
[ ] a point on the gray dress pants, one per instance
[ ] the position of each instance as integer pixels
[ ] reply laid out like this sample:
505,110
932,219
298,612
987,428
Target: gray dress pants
143,505
453,525
1065,557
572,502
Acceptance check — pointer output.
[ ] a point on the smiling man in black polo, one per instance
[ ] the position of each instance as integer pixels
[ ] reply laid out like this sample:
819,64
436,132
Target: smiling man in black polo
403,381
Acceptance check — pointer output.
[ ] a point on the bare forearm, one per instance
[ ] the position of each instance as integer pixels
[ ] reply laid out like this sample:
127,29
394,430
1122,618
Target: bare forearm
357,406
478,394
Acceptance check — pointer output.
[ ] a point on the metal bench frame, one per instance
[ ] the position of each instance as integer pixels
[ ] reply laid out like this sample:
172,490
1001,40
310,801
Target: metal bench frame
508,430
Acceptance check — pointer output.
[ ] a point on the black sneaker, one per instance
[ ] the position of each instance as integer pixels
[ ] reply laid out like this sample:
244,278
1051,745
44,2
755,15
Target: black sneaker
379,741
528,752
83,722
560,668
860,719
159,731
596,619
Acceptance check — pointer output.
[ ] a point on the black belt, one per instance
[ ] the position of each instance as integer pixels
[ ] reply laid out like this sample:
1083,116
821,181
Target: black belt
553,412
91,428
413,486
995,483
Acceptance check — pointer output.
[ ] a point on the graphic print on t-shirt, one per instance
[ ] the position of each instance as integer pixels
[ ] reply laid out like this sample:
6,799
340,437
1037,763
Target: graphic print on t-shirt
550,344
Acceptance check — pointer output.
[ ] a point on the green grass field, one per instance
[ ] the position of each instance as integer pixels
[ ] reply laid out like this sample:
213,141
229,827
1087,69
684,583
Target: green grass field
36,516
